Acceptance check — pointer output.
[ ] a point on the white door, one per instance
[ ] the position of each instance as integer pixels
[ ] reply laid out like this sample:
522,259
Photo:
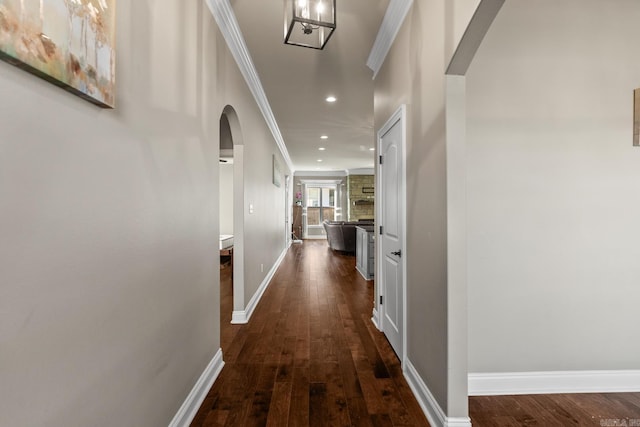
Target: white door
391,218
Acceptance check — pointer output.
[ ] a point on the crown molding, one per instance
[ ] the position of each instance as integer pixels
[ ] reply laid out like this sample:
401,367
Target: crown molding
361,171
304,173
393,19
321,181
225,18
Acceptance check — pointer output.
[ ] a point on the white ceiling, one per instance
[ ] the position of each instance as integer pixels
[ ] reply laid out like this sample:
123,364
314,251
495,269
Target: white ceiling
297,80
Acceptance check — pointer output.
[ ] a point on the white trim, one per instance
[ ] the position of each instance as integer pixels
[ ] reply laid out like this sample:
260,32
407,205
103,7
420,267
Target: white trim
457,247
374,318
399,115
458,422
503,383
192,403
238,228
228,25
360,171
391,23
428,403
321,182
243,316
239,317
300,173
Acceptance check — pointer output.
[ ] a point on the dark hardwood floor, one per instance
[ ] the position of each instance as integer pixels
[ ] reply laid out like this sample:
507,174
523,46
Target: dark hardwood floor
310,356
584,409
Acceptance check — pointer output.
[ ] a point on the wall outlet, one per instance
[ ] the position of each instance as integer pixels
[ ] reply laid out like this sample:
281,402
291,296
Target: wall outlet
261,268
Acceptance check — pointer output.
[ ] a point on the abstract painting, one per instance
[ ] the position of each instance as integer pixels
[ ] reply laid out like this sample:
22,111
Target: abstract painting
276,172
636,117
70,43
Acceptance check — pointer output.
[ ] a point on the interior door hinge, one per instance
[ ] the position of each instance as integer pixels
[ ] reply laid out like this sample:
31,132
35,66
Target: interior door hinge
380,299
381,159
380,230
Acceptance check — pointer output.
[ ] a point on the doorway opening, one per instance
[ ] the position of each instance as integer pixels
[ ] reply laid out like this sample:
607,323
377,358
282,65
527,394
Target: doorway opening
321,201
226,221
321,206
231,217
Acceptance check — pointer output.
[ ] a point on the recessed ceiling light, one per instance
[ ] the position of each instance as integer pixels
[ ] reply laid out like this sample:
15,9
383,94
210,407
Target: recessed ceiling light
324,137
372,149
319,160
331,99
321,148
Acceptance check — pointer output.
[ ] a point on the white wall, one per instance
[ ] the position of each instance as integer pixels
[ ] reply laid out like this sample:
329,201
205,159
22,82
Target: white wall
109,296
226,198
553,185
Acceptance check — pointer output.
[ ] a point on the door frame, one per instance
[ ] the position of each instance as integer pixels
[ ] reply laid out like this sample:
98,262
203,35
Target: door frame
238,316
400,115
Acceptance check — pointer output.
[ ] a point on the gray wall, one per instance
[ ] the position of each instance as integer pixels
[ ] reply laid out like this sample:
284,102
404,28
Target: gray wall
413,74
426,225
264,230
226,198
553,185
109,303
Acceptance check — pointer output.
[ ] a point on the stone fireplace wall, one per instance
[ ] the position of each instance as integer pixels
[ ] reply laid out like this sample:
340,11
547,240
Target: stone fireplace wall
361,197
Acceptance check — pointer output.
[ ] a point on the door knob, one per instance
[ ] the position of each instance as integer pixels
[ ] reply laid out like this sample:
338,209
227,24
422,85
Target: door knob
397,253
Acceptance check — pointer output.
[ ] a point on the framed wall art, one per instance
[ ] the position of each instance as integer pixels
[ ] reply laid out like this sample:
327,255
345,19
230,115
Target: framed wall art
636,117
276,172
70,43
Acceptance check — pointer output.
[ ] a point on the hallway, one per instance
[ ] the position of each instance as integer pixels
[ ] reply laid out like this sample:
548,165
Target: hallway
310,354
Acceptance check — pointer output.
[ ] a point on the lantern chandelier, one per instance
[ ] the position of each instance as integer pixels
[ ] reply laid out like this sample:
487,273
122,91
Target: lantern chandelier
309,23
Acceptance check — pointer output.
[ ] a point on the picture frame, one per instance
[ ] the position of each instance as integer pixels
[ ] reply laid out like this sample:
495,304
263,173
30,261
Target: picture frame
276,172
68,44
636,118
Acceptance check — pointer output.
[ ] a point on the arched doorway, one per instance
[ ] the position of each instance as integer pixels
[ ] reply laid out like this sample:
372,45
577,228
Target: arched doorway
232,191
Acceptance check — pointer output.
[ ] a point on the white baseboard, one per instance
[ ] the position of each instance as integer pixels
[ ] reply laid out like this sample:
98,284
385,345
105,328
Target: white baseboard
243,316
374,318
504,383
239,317
428,403
192,403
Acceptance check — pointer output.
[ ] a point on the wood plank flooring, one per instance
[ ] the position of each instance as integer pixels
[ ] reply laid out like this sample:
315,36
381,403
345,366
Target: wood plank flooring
310,356
584,409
